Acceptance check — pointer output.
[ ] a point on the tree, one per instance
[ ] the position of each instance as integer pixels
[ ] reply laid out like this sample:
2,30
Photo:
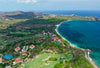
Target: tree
67,66
57,65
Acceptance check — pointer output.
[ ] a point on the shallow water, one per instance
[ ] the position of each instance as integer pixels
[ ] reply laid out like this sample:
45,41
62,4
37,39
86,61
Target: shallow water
84,34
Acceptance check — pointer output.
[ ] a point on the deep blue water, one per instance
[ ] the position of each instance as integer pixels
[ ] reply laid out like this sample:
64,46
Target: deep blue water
84,34
76,12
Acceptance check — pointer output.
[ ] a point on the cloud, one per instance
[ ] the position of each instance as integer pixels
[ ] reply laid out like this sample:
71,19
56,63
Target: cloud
26,1
20,1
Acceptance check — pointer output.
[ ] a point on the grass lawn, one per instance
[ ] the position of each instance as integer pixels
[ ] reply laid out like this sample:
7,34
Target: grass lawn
42,61
4,24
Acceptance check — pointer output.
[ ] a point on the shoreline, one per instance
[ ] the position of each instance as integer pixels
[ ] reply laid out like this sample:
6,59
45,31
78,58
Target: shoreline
86,55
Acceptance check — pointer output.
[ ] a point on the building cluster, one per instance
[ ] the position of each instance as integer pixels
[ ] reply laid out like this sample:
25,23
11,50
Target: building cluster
23,50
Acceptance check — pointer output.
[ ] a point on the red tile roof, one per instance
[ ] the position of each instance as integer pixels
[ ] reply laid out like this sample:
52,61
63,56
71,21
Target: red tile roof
32,46
24,51
49,50
17,49
55,38
63,44
18,60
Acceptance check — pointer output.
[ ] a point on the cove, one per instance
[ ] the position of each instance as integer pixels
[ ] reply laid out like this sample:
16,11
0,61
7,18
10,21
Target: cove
83,34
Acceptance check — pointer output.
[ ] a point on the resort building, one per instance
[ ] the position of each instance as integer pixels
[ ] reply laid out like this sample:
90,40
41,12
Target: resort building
25,48
24,52
64,45
55,38
58,41
0,58
17,49
50,50
53,35
18,60
32,46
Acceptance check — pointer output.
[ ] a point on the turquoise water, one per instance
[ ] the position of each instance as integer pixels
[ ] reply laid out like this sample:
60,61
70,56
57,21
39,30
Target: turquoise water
84,34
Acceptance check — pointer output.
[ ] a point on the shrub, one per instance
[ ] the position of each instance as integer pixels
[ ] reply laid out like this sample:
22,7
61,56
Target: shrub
61,62
57,65
66,54
67,66
52,59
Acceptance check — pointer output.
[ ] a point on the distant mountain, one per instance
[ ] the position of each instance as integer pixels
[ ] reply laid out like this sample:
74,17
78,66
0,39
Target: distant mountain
20,14
33,14
1,13
10,13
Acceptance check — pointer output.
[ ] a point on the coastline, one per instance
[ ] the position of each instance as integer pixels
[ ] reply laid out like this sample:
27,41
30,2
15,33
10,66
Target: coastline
86,55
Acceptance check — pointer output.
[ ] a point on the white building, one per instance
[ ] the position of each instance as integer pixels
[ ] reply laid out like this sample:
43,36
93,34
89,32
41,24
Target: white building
0,58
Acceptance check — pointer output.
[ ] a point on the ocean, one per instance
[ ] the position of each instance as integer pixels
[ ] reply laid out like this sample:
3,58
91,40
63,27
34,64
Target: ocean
83,34
76,12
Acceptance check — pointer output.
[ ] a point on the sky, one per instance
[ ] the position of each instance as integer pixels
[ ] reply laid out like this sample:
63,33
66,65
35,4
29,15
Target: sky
42,5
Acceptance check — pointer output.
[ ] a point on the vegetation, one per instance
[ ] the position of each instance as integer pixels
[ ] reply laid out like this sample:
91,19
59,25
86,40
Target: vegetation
6,23
52,59
38,31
